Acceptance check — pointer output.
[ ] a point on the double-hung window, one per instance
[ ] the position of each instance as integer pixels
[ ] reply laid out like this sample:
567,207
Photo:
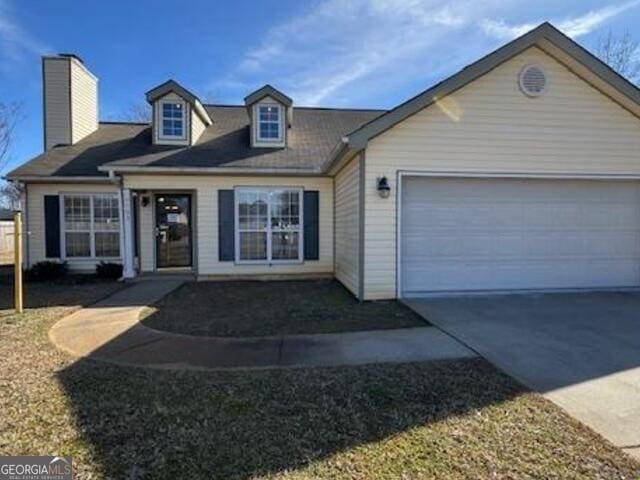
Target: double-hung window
268,225
269,123
91,226
172,121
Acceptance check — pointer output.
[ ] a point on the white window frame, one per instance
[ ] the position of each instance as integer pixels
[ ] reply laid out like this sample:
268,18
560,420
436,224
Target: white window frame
279,109
161,119
92,227
268,230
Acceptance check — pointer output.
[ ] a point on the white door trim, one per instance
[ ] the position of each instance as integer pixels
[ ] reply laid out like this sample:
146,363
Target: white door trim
401,174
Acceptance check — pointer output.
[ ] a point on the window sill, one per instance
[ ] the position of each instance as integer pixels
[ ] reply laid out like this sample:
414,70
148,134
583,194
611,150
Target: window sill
267,263
175,142
169,138
266,144
90,259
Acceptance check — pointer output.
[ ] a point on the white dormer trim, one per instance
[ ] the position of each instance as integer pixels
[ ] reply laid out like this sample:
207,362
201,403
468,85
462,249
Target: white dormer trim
259,142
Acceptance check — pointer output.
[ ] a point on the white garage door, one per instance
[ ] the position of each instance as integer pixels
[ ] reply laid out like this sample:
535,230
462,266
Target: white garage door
488,234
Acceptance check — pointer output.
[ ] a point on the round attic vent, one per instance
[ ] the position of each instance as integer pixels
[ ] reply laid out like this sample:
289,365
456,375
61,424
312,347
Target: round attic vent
533,81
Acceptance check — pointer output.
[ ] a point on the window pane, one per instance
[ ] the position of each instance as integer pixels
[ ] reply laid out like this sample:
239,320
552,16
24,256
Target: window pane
269,122
284,246
105,213
77,244
107,244
252,210
172,120
269,130
171,109
285,210
269,113
172,128
77,213
253,246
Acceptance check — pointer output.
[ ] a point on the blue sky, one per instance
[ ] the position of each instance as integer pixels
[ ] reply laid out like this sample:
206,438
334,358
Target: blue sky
354,53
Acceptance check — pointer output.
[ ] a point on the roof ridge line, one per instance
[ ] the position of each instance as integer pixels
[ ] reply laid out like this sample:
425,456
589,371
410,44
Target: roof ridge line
302,107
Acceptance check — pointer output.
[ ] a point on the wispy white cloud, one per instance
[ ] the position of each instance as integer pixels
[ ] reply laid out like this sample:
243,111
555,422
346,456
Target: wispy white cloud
502,30
16,43
574,27
338,42
585,24
362,49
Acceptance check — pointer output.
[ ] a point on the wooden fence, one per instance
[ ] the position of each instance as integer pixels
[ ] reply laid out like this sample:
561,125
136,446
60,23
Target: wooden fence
6,242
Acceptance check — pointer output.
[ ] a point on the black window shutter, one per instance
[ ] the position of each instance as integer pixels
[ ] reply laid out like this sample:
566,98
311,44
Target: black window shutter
311,225
226,226
52,225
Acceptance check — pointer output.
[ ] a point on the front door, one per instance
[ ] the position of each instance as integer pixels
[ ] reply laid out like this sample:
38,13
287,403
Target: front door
173,230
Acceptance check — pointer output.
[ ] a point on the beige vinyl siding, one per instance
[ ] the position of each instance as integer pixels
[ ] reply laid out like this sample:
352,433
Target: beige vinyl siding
197,126
84,104
347,218
35,222
146,234
489,126
57,102
204,191
157,121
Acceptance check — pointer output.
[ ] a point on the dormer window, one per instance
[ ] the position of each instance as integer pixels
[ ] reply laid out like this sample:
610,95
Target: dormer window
269,123
179,118
173,120
271,114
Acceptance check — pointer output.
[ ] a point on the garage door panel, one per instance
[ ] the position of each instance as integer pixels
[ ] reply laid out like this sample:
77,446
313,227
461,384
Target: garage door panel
483,234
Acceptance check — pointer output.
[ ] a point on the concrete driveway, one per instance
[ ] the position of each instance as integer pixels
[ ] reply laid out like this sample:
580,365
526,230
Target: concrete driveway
581,350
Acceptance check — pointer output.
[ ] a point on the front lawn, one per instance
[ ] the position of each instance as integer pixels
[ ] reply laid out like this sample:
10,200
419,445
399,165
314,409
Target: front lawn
47,300
239,309
441,420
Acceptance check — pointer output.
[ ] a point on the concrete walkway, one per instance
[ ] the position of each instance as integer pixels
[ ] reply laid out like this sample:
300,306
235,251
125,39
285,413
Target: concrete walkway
110,331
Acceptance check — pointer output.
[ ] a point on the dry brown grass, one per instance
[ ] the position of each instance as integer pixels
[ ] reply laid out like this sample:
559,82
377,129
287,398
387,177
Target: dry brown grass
242,309
441,420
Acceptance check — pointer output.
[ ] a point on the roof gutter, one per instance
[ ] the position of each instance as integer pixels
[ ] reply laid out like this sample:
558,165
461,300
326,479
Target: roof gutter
202,113
59,179
210,170
342,152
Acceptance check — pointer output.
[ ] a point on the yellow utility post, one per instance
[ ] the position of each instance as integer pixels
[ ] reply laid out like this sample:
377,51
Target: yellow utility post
17,234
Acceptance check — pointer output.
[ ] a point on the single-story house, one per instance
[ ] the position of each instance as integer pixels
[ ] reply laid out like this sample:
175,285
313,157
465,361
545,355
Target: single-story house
521,171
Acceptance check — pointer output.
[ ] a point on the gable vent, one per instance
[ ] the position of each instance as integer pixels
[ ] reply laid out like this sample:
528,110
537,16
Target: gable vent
533,81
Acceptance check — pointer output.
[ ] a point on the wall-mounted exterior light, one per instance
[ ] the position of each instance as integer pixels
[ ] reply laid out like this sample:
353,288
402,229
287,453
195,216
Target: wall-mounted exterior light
384,190
145,200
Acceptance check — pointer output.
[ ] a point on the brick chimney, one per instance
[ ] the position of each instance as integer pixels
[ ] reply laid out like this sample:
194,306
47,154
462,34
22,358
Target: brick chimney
70,100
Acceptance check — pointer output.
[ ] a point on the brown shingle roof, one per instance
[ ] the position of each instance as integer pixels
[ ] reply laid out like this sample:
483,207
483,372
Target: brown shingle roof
314,134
